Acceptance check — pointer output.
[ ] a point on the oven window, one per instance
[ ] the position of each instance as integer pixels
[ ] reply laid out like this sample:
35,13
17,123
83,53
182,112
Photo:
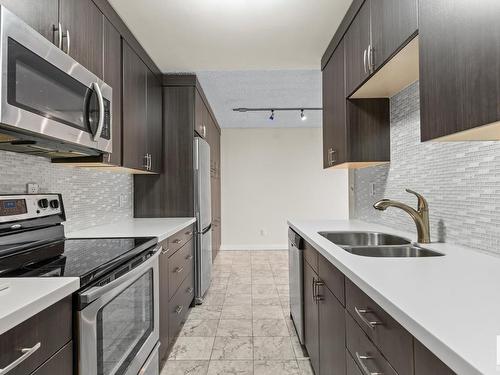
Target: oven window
39,87
123,325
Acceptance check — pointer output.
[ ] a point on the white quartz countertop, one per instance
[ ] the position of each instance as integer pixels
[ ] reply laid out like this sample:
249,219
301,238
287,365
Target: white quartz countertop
21,298
450,303
154,227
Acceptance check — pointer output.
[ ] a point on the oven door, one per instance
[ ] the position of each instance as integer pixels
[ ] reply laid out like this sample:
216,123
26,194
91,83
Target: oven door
120,328
46,92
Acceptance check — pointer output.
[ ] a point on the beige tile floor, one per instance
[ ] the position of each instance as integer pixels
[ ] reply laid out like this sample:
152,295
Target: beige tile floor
243,326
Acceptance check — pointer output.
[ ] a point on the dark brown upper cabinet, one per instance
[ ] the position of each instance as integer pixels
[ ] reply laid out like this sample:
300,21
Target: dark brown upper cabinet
358,49
142,124
379,30
112,75
134,110
355,132
334,110
154,121
42,15
459,70
201,117
82,25
393,23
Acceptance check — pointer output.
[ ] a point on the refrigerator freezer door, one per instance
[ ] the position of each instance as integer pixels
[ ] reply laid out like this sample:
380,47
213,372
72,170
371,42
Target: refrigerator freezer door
203,196
203,263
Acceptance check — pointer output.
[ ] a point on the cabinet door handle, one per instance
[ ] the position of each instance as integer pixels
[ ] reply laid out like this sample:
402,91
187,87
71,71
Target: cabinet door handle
189,290
370,58
331,156
150,158
314,290
58,28
179,270
67,36
319,284
178,309
145,161
364,61
370,323
26,353
361,361
189,257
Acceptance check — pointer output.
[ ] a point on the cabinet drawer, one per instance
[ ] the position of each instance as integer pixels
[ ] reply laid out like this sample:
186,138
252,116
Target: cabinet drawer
311,256
388,335
427,363
179,306
179,239
364,353
39,329
60,363
332,277
180,265
351,366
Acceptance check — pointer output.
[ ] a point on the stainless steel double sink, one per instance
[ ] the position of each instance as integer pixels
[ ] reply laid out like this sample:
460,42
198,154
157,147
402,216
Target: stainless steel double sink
375,244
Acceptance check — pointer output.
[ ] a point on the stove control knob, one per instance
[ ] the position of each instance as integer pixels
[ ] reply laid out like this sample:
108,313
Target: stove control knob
54,204
43,203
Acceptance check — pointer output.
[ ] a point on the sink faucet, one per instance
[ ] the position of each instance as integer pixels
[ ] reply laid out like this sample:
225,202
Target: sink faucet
419,216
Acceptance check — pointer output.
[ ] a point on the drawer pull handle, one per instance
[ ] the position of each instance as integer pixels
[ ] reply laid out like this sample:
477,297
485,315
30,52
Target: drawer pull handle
165,251
178,309
26,353
190,290
177,241
190,233
361,313
189,257
179,270
361,361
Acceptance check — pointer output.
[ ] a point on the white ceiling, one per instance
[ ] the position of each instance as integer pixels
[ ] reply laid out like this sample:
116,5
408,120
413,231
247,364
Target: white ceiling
196,35
285,88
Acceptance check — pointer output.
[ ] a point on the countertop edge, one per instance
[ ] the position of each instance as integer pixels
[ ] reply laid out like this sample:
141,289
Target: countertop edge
30,309
436,346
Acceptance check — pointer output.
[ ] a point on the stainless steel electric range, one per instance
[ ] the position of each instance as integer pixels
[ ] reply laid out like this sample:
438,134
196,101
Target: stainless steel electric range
116,308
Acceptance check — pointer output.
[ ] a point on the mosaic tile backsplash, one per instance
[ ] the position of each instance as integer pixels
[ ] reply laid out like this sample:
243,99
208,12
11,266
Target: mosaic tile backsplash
461,181
90,197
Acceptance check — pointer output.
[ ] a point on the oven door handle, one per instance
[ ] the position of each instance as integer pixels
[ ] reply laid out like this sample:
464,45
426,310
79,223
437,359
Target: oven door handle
100,100
98,291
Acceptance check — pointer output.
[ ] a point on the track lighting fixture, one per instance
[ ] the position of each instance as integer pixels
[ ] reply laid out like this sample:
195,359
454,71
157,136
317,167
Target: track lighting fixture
302,110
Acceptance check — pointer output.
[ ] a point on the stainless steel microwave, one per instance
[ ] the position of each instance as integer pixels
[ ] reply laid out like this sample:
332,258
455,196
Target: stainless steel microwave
50,105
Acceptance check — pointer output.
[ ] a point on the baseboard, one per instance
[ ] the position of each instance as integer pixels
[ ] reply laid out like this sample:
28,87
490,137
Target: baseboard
252,247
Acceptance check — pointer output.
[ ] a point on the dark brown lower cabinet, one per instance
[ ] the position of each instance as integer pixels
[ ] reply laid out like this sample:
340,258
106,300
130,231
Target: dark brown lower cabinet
164,299
427,363
176,286
360,338
311,317
60,363
50,328
331,334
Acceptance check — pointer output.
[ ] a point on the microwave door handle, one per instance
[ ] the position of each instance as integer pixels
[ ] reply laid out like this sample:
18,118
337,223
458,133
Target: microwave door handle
100,99
98,291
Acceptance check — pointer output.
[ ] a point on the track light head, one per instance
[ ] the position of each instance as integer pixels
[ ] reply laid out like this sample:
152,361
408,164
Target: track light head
272,115
303,117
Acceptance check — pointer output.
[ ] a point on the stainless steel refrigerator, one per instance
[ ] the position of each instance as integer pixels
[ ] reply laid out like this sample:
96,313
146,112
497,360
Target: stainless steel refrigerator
203,213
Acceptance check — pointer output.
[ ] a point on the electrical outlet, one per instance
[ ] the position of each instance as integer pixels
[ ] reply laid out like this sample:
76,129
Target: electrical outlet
123,200
372,189
32,188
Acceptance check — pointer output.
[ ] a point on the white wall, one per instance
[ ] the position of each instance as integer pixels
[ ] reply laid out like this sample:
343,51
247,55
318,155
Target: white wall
271,175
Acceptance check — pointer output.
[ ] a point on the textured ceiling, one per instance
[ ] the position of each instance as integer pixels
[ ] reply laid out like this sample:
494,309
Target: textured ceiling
195,35
278,88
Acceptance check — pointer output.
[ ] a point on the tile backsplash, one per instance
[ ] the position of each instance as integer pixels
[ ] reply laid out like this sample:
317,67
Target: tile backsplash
90,197
461,181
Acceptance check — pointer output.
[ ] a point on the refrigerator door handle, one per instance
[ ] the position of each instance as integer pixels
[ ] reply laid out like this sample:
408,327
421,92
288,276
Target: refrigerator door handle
196,155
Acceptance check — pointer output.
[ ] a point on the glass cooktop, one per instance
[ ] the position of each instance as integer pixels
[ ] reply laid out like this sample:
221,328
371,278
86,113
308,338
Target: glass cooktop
83,258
